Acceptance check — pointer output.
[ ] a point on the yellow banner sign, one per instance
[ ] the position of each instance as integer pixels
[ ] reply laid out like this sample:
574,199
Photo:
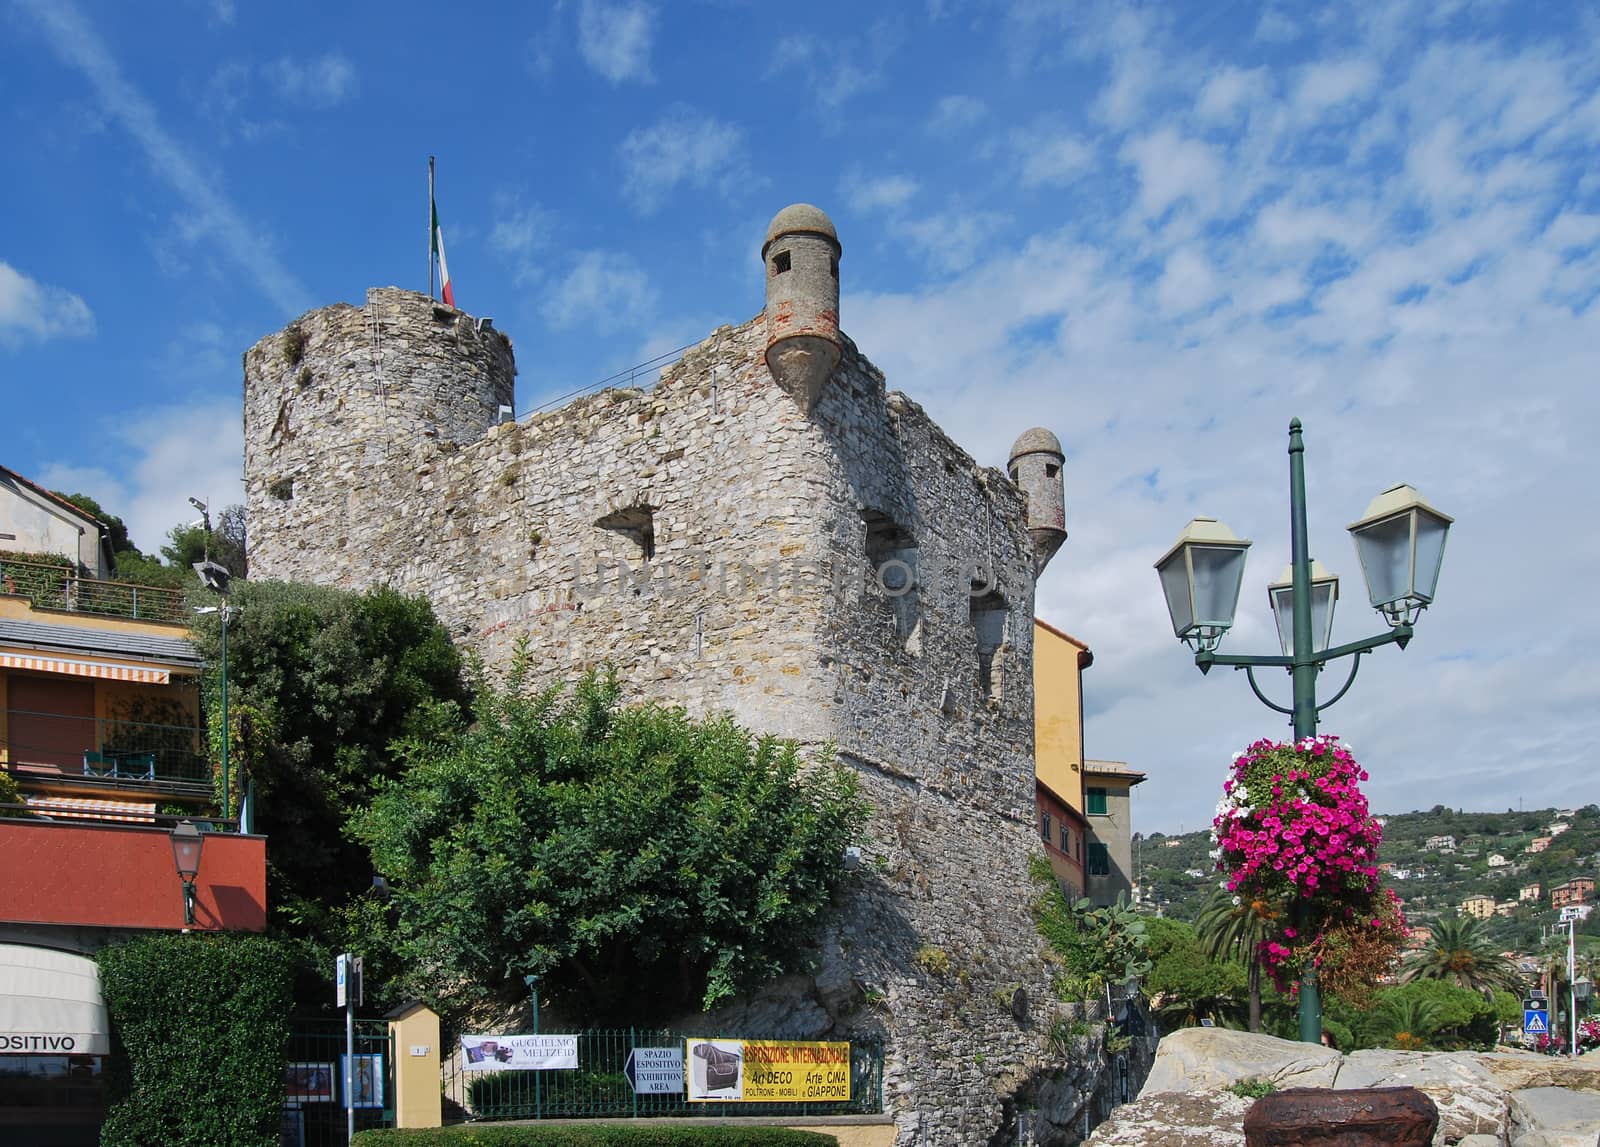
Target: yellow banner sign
767,1071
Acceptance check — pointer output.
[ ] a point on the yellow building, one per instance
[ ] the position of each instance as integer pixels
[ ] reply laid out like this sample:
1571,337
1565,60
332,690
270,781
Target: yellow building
1059,660
1479,906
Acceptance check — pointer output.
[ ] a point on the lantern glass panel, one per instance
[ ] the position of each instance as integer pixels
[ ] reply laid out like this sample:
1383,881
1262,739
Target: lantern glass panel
1175,584
1218,572
1385,552
1431,530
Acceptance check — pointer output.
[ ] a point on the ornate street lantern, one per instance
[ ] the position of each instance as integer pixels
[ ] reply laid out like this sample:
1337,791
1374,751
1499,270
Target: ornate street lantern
1200,576
1324,593
1400,542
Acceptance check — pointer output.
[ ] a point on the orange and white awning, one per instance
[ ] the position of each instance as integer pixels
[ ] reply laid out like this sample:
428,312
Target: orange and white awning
93,808
75,667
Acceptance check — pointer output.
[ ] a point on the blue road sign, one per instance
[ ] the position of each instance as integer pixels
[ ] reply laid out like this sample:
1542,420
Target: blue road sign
1535,1022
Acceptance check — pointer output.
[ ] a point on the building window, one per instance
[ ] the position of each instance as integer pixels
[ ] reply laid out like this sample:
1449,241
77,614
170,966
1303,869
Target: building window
1044,827
1099,860
1066,840
780,263
892,572
1096,801
988,617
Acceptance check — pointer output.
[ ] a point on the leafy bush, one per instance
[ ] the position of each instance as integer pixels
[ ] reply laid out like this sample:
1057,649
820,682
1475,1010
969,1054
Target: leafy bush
654,1134
199,1034
1097,945
633,857
1253,1088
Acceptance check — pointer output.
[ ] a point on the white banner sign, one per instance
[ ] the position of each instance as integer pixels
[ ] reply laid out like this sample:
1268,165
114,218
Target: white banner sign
518,1052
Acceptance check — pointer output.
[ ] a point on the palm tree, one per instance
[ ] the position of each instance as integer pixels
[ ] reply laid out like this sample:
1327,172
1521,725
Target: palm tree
1410,1020
1458,953
1228,929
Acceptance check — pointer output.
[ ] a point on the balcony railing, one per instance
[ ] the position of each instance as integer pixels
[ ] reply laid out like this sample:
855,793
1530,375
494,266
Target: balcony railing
47,746
50,586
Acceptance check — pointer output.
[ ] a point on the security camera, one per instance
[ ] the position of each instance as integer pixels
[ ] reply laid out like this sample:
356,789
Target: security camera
199,505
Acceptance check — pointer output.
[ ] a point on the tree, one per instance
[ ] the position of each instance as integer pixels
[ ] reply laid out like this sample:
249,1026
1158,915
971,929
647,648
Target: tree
1459,953
633,858
116,531
1185,982
1238,931
320,682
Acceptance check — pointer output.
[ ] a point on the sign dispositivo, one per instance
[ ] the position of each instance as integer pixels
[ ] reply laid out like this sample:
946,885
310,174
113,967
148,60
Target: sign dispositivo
767,1071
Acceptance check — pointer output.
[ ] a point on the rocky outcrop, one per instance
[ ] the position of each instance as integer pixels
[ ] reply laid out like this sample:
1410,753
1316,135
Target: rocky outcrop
1554,1117
1202,1059
1500,1099
1470,1100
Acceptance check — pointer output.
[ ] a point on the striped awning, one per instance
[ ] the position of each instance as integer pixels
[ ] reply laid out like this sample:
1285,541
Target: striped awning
78,668
94,808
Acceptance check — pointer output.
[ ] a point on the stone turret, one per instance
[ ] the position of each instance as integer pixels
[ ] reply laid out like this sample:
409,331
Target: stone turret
1035,466
344,391
801,254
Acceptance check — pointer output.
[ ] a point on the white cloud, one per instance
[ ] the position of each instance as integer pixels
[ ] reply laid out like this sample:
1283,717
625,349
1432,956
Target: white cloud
216,219
520,236
165,455
1187,282
1327,84
955,114
323,82
1229,90
1172,168
951,240
615,40
683,147
882,193
1275,27
1052,159
33,310
604,289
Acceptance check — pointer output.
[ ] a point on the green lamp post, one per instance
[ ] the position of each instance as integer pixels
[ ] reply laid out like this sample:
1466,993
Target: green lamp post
1400,543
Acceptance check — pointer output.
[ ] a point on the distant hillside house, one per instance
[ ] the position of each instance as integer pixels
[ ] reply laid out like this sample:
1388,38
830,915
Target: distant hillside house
1558,828
1478,906
1505,908
1581,911
1531,891
1578,890
1440,843
1497,861
1108,807
1538,844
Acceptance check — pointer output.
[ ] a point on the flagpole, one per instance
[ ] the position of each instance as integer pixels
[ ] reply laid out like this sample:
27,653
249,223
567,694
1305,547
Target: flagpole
430,227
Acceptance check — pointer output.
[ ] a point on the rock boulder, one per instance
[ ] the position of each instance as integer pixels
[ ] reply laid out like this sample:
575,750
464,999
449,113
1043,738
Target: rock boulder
1554,1117
1469,1098
1175,1119
1202,1059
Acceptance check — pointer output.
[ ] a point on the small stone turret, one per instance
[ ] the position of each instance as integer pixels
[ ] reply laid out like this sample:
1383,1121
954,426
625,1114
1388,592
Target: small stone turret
1035,465
801,254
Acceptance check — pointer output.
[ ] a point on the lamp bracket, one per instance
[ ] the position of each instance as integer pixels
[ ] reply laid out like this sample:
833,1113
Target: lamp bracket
1250,673
1355,663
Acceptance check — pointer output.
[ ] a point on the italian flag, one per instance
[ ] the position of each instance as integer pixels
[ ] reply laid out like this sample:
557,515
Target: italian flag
445,289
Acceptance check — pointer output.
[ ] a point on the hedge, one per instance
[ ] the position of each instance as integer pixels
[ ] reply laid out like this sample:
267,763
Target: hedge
199,1034
658,1133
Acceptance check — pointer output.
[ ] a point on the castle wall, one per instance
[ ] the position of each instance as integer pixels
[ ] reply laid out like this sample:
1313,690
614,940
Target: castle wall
761,596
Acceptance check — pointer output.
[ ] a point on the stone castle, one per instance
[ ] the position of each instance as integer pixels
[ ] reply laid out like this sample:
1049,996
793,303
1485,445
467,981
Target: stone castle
769,532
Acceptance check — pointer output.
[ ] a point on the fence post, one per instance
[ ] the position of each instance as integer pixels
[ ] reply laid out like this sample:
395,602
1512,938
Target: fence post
414,1035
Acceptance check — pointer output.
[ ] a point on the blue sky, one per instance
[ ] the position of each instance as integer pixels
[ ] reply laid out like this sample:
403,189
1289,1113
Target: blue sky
1160,230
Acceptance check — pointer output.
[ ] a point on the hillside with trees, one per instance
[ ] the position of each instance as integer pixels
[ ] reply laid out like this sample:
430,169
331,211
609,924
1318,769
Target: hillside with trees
1176,873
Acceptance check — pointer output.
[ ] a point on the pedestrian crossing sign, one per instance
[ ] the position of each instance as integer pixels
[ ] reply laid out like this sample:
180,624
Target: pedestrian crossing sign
1535,1022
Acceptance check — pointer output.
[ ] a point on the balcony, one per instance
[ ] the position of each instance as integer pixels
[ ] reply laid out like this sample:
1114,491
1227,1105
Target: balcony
122,876
51,586
97,754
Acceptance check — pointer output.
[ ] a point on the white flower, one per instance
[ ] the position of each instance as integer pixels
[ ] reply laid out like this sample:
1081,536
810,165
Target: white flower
1236,900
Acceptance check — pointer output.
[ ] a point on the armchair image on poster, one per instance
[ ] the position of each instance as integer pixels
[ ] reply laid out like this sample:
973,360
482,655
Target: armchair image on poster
716,1070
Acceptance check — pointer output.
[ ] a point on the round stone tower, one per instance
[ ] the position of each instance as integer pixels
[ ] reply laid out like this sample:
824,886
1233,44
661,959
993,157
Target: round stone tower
801,255
1035,465
338,403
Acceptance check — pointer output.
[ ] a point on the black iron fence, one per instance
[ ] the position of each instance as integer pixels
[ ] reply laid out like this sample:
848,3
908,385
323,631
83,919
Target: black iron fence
600,1088
314,1082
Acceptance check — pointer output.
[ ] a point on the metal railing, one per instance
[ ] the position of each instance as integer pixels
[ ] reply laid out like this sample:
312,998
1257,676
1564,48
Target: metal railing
50,586
598,1088
46,745
313,1109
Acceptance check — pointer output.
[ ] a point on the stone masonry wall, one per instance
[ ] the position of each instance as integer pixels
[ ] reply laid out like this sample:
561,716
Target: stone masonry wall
760,597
